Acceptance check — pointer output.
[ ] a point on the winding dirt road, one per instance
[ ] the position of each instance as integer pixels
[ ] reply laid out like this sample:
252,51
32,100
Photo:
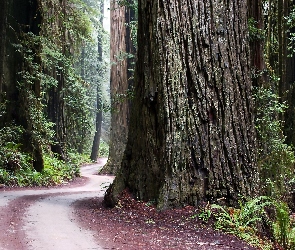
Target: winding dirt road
42,219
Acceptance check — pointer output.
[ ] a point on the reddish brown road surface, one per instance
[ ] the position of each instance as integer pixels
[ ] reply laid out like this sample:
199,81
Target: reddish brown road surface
42,218
73,217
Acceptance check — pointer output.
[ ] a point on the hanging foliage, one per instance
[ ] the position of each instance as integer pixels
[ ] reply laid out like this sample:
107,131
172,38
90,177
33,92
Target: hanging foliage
49,59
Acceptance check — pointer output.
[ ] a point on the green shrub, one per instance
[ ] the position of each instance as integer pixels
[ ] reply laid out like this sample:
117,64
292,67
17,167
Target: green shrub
16,168
283,226
243,221
246,222
55,172
103,149
254,32
275,158
4,176
58,171
78,159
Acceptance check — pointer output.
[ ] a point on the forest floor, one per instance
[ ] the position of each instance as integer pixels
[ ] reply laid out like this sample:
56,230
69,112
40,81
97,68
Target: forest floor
74,217
134,225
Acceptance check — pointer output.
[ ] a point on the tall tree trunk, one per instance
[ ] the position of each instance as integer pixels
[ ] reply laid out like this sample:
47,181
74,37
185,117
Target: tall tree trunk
257,63
289,129
192,135
55,99
19,18
10,60
121,46
130,18
271,55
98,119
282,51
3,25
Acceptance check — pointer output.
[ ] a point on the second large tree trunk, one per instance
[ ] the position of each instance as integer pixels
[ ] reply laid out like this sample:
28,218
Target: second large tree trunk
3,18
98,119
121,48
191,134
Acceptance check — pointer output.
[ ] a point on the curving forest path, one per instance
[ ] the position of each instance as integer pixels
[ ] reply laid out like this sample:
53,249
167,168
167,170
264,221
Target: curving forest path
73,217
43,218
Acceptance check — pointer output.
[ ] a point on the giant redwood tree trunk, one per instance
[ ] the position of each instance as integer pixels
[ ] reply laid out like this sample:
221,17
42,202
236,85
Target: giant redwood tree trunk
191,129
18,17
98,118
289,129
121,46
3,18
257,63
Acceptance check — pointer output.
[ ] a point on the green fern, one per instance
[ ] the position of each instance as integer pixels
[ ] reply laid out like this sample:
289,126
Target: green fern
243,221
284,231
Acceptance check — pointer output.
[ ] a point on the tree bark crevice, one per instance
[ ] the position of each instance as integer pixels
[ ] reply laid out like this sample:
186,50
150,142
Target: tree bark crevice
204,134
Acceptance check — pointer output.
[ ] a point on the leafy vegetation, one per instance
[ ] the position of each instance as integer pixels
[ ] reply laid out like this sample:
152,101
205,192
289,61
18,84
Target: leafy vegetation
103,149
62,58
55,172
16,168
275,158
263,222
284,226
290,19
56,84
254,32
243,221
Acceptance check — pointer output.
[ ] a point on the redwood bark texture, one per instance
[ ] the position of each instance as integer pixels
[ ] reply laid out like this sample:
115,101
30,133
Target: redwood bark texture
120,83
258,67
289,129
192,136
98,119
3,18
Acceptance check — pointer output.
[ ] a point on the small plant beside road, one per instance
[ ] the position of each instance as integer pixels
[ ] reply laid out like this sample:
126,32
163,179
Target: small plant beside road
252,219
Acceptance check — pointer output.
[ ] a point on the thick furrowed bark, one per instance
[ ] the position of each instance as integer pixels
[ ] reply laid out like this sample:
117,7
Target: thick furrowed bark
119,87
192,129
